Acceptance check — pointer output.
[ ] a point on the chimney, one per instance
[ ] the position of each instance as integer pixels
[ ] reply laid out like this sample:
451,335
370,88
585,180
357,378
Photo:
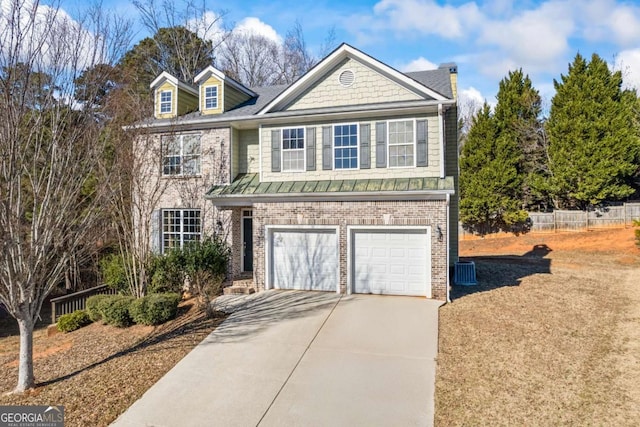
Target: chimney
453,75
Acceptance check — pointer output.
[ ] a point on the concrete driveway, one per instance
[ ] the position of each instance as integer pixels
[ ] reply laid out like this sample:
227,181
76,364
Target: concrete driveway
289,358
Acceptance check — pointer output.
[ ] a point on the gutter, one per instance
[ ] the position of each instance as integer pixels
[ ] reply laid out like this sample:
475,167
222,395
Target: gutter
241,200
311,114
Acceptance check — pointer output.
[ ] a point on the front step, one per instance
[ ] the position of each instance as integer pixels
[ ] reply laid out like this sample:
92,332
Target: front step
239,287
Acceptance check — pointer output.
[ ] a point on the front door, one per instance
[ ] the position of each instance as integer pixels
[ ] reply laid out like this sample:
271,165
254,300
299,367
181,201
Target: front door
247,240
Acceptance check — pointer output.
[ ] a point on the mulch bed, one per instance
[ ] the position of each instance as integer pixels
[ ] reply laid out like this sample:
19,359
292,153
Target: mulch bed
98,371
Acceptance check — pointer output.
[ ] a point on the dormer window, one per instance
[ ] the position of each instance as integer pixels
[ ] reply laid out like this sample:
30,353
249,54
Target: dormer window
165,101
211,97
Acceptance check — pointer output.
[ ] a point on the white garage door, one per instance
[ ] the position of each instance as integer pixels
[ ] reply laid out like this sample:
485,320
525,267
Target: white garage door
305,260
394,262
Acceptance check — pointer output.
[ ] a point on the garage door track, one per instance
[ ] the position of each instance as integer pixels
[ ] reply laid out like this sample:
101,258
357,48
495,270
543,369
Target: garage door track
287,358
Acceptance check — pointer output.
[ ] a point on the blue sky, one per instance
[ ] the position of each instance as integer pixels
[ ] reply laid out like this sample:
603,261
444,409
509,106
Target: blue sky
485,38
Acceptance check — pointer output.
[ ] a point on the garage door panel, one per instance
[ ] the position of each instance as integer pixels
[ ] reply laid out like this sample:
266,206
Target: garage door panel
304,260
391,262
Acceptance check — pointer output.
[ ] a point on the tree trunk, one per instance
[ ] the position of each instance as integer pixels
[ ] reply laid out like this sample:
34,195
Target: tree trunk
25,370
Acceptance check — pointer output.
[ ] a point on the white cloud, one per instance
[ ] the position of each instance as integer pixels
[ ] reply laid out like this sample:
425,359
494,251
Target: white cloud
428,17
254,26
534,39
208,27
624,23
628,62
470,95
419,64
48,38
606,20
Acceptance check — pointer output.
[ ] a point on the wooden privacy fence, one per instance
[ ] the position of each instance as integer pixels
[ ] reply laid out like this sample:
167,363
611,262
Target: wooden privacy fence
76,301
560,220
565,220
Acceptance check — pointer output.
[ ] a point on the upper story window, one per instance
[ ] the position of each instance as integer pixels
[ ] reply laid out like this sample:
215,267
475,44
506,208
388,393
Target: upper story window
211,97
165,101
181,155
402,143
293,150
179,227
345,146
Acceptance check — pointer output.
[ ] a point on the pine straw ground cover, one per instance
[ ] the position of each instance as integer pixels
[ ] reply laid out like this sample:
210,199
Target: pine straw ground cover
98,371
550,336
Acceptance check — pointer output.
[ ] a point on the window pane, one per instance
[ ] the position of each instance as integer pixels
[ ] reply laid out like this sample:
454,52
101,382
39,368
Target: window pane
180,226
345,143
211,97
293,149
401,143
171,145
191,145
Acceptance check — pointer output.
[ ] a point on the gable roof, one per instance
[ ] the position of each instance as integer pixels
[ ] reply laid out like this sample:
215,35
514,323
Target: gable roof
342,52
211,70
166,77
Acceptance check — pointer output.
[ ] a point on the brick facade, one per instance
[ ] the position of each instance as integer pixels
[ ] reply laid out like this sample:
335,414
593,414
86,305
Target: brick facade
343,214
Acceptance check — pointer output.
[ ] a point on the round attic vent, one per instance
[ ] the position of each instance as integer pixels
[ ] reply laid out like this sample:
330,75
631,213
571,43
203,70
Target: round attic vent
346,78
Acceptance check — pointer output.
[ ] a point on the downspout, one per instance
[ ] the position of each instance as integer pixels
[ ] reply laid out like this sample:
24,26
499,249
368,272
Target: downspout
448,247
260,151
441,137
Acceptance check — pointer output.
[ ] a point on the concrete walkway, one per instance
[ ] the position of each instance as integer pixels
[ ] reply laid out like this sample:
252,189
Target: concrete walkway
286,358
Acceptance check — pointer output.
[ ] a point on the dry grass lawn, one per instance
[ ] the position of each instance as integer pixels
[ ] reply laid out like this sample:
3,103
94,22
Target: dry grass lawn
98,371
548,337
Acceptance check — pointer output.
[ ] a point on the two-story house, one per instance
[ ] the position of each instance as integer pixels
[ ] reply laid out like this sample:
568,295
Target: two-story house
343,181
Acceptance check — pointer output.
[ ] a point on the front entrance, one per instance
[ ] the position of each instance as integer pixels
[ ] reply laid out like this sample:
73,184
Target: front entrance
247,240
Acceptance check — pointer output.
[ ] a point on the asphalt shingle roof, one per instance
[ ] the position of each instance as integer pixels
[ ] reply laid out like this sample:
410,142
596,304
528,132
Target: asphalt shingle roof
437,80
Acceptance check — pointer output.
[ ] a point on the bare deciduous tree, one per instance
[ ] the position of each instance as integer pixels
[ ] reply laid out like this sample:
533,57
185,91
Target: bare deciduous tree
187,34
251,59
51,153
256,60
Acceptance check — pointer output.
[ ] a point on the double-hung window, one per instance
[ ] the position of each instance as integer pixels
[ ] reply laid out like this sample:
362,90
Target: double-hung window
165,101
179,227
293,149
345,146
211,97
181,155
402,141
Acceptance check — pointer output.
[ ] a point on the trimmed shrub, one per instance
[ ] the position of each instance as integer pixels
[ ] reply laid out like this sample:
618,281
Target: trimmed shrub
155,309
93,306
138,310
113,272
115,310
72,321
211,255
167,272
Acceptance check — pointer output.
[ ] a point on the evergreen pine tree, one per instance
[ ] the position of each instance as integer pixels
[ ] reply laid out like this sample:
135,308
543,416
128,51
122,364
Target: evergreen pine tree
517,116
489,181
594,146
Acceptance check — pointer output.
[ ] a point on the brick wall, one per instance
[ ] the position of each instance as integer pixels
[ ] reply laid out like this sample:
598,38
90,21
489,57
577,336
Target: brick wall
161,192
343,214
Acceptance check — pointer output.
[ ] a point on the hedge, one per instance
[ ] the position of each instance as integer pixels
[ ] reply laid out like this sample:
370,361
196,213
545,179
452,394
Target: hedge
154,309
115,310
93,306
72,321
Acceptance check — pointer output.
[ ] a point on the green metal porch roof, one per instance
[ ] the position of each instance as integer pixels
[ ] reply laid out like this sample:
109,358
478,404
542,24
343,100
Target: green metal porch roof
249,186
